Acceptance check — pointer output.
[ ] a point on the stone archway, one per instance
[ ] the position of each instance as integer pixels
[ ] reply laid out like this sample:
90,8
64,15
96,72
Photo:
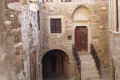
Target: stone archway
55,65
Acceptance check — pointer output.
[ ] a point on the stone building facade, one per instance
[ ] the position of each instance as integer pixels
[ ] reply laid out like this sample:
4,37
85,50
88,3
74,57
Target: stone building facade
28,41
90,13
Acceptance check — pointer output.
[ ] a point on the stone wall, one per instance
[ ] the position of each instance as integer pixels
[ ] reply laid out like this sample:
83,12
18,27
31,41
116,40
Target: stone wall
20,34
114,40
10,35
97,24
18,38
114,51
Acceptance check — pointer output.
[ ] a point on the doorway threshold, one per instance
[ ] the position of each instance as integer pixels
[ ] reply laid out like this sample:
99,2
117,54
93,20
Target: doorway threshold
81,53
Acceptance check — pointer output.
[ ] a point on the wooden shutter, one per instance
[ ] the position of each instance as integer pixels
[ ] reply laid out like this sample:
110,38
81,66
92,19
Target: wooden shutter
52,22
38,17
58,26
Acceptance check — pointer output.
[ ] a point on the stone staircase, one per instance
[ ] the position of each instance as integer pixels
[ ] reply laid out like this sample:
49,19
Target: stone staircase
88,69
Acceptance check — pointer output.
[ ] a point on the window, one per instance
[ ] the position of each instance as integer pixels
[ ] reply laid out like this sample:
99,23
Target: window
55,25
38,18
117,15
114,15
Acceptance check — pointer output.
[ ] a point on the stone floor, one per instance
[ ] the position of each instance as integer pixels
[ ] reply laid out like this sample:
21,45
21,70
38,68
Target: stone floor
55,78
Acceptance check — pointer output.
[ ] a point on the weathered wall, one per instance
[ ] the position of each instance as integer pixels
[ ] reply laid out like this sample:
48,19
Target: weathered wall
114,51
10,35
98,23
30,39
15,43
114,41
19,34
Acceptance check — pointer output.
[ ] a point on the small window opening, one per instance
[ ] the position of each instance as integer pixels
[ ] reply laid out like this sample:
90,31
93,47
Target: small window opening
55,25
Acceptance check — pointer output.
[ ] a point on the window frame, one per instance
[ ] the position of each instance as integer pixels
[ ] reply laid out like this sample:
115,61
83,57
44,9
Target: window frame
114,16
55,26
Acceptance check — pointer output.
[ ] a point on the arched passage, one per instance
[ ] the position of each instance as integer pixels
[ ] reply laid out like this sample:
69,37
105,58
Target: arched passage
55,64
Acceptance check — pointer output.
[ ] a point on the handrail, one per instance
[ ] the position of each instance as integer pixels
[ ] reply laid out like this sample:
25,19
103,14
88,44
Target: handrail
77,58
96,58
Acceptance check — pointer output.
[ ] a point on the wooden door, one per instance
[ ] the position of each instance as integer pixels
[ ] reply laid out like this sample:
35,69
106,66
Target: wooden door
81,38
33,66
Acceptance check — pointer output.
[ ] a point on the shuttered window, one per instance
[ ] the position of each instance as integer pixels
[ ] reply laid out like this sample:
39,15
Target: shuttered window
55,25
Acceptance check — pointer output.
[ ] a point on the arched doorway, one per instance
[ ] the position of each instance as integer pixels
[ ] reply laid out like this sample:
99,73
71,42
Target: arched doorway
55,65
82,29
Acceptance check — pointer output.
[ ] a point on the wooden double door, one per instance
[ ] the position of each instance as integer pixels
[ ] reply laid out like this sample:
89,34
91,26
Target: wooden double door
81,38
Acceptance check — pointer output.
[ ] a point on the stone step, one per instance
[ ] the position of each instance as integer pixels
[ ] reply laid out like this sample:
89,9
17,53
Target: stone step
90,77
88,69
87,62
89,73
88,65
86,55
95,79
86,59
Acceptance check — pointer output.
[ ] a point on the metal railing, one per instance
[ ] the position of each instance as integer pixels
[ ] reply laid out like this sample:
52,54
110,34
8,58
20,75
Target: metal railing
77,58
96,58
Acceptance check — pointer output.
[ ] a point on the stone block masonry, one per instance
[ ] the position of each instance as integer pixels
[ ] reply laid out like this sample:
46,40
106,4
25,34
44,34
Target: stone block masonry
90,13
18,35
